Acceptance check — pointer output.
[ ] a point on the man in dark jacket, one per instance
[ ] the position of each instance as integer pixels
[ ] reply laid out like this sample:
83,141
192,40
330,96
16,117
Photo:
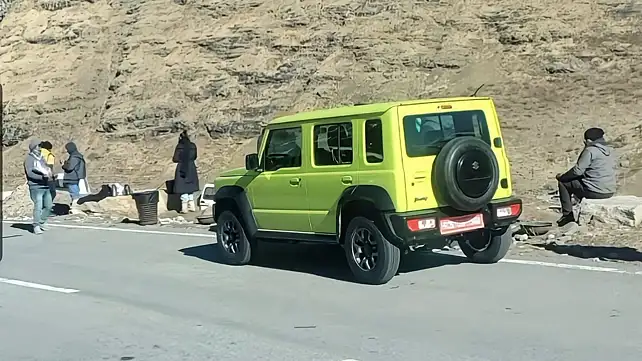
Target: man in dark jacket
75,172
186,176
38,177
592,177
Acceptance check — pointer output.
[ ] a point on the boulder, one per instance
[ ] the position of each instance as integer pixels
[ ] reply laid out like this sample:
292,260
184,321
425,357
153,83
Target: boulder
618,210
121,205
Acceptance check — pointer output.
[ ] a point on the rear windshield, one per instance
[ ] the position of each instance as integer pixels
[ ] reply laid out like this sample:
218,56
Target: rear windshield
425,134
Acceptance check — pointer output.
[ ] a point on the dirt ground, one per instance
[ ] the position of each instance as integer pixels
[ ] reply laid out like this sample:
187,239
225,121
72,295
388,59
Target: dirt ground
121,77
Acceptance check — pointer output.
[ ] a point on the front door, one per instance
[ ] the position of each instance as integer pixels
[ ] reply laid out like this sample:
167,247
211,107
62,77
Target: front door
279,192
334,168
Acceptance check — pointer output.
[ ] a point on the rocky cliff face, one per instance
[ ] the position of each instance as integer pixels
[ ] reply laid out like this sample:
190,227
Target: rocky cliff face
120,75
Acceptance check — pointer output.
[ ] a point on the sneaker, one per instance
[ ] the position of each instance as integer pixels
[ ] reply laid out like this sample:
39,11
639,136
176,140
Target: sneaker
37,230
44,227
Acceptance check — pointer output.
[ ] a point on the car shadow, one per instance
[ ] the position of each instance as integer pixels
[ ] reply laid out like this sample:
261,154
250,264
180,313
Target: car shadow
328,261
626,254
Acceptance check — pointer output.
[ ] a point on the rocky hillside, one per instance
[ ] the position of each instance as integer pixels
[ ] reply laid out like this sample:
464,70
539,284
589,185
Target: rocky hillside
120,76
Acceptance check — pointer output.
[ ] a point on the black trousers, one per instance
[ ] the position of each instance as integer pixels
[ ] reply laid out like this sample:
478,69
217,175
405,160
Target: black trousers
576,188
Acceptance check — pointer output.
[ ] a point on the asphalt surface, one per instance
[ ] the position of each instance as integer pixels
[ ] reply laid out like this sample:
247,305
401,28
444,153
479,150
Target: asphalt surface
163,297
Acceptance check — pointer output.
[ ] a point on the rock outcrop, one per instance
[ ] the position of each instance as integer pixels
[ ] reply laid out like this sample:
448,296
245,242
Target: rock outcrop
618,210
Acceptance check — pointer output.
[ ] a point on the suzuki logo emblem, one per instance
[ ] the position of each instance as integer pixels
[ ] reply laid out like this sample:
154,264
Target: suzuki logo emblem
475,165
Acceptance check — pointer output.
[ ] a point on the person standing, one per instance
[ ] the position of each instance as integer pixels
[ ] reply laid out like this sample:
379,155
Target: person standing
593,176
38,177
45,149
186,176
75,171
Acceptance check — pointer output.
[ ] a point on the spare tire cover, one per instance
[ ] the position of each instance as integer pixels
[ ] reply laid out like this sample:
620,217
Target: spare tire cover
466,174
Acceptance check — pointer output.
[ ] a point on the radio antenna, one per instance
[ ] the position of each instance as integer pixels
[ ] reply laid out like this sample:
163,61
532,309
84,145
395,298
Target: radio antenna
478,89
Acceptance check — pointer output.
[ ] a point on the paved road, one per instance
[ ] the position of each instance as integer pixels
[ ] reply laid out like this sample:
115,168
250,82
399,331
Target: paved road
142,298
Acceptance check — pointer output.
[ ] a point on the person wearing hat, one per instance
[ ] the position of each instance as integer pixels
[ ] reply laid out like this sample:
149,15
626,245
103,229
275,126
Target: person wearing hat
38,176
592,177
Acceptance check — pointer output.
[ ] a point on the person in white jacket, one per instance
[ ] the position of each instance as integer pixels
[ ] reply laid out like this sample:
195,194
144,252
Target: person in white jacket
39,176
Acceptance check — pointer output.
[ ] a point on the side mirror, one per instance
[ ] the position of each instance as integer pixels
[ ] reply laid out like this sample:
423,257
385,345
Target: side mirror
252,161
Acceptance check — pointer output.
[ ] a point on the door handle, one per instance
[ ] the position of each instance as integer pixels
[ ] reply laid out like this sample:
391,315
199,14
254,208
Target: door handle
295,181
420,175
346,179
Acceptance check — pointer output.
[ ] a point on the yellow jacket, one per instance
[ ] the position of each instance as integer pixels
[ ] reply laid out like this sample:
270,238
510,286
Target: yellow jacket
50,159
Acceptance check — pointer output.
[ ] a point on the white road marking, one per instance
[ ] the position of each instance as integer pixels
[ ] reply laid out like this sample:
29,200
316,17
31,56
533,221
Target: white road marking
563,265
554,265
212,236
37,286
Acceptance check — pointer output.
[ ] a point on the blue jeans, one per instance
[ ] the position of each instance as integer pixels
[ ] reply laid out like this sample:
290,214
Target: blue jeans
52,190
74,190
42,204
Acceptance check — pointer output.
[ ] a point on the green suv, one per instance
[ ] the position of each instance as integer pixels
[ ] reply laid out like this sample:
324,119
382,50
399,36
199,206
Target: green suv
379,180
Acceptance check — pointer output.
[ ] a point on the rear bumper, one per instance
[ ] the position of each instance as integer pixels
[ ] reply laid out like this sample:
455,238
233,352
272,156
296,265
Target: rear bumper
401,236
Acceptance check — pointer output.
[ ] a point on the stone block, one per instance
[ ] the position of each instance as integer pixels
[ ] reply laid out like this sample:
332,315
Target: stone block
618,210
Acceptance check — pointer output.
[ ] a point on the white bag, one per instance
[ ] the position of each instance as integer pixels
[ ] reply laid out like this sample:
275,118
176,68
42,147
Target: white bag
83,186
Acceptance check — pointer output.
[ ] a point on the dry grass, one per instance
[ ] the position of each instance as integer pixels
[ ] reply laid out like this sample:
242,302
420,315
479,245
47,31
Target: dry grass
141,70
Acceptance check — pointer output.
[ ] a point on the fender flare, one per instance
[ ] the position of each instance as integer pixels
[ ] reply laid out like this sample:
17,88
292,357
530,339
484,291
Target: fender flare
237,195
376,195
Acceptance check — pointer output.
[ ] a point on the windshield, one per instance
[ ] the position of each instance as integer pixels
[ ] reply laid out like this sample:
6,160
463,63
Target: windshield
425,134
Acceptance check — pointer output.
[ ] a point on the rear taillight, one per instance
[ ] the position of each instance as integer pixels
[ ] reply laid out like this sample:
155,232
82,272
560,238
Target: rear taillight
512,210
421,224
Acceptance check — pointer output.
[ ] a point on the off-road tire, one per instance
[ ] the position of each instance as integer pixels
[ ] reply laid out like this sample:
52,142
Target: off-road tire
497,248
388,258
244,253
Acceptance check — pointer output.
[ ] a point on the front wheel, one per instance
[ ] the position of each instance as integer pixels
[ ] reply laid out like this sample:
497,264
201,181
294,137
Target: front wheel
486,246
231,240
372,259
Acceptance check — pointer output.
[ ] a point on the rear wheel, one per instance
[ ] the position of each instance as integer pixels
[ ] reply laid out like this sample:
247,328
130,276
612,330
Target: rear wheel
372,259
232,243
486,246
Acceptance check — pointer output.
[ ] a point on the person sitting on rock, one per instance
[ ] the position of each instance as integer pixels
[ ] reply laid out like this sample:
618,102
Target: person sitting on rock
38,176
45,149
186,176
75,172
592,177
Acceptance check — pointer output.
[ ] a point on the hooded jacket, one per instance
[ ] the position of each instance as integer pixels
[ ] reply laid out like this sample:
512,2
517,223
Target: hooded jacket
595,168
36,170
74,167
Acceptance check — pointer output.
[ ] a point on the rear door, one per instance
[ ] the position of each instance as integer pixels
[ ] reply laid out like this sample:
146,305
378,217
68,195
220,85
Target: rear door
334,167
426,127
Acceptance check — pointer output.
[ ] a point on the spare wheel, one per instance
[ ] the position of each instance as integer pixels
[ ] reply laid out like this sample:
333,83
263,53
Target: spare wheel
466,174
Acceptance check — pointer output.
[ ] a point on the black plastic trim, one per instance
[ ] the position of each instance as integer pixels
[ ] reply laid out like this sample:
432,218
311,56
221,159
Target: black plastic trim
239,197
497,142
296,237
376,195
404,238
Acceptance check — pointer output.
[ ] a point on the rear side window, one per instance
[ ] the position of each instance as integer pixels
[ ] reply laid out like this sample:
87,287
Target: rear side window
333,144
283,149
374,141
426,134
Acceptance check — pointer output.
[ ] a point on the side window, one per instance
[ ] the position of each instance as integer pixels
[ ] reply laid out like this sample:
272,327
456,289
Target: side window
283,149
374,141
333,144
